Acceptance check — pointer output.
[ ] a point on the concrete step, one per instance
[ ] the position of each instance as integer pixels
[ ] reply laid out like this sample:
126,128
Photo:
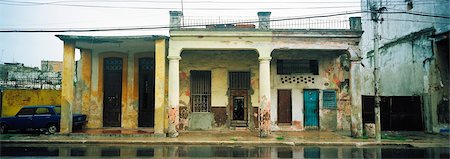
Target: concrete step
238,123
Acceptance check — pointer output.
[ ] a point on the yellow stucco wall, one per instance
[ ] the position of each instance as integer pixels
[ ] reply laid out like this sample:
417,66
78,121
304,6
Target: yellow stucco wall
13,100
219,63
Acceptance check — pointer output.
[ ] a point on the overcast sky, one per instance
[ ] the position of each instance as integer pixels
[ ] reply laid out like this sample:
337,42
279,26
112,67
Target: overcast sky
31,48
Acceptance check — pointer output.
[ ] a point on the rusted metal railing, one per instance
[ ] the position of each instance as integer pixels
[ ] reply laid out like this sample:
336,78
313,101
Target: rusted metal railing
275,23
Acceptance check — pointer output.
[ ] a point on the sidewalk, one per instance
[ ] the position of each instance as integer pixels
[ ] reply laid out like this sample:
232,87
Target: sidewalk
232,137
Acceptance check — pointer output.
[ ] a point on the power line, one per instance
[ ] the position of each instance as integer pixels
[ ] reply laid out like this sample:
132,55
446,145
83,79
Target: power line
131,28
157,27
172,8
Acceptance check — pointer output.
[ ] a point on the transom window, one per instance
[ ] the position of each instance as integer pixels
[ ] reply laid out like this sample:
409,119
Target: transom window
288,67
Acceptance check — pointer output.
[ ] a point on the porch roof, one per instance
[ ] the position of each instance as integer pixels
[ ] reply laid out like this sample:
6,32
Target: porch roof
116,43
109,39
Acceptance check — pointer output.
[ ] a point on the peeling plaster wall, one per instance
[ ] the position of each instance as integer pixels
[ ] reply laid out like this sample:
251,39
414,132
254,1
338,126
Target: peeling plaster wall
130,109
407,57
408,68
219,63
332,76
14,100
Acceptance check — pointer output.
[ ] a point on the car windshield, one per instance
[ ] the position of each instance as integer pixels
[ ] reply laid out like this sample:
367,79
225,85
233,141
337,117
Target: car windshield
58,110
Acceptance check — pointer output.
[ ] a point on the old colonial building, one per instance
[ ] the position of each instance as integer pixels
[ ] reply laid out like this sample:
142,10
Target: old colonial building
122,81
261,75
258,74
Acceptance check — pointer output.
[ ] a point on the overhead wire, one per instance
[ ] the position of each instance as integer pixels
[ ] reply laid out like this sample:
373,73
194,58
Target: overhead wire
168,27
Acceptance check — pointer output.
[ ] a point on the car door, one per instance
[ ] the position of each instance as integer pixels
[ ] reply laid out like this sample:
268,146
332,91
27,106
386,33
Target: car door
41,118
24,117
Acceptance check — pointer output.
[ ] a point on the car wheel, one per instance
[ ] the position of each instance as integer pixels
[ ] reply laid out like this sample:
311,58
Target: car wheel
3,129
52,128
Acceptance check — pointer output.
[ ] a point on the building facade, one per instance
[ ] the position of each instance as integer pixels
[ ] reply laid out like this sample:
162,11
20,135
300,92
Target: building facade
122,81
262,78
255,75
413,64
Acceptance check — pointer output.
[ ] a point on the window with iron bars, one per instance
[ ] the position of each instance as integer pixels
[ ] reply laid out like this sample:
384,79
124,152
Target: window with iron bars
201,91
288,67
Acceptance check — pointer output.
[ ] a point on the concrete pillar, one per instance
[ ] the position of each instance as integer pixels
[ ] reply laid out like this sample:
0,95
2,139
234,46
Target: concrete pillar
160,81
67,93
264,96
86,63
174,95
355,23
356,126
175,19
264,20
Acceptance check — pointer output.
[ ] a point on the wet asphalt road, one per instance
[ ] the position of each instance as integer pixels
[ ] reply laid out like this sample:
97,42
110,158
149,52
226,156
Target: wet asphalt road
172,151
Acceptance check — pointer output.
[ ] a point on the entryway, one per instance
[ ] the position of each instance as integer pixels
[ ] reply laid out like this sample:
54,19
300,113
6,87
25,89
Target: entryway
112,91
239,84
398,113
146,115
284,109
311,108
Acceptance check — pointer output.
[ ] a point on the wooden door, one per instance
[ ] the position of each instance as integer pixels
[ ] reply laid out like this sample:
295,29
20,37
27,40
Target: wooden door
146,116
112,92
284,106
311,110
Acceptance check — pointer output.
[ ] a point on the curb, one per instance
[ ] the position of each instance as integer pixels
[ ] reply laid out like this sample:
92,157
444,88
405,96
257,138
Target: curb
225,143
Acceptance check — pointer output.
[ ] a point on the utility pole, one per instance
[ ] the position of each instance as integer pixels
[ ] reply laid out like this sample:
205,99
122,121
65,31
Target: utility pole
375,18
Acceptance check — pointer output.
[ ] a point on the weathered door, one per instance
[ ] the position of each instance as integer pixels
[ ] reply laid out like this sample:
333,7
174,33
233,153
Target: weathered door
311,110
284,106
239,104
112,91
238,86
146,116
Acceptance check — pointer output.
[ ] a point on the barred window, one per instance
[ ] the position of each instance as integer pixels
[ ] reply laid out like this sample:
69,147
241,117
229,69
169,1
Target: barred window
288,67
201,91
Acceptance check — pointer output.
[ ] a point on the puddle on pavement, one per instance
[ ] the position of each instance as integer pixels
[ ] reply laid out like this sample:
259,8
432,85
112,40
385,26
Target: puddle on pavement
137,151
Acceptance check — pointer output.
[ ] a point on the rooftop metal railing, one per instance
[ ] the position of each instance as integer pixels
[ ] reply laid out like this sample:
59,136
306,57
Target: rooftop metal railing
275,23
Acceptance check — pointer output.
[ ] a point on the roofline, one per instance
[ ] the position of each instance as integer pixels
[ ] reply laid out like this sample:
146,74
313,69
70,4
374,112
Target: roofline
110,38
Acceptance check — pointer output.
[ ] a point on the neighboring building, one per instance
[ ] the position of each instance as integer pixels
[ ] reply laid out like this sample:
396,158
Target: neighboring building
51,66
120,81
252,75
414,63
18,76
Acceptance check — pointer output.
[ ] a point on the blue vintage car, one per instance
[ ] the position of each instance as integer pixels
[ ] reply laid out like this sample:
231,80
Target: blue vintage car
38,117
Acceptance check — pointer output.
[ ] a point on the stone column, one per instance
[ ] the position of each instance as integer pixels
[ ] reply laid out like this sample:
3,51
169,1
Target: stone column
264,20
67,93
174,94
86,63
264,96
160,79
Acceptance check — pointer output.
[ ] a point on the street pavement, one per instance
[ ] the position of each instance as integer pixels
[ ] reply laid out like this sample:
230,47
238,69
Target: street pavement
232,137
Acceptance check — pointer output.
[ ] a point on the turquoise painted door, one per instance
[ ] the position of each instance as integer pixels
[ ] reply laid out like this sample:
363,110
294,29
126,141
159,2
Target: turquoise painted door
311,99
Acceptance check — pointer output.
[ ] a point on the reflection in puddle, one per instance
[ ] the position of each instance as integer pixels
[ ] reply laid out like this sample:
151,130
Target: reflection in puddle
136,150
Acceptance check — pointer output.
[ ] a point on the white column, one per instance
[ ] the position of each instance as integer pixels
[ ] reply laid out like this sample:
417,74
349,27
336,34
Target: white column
264,96
174,94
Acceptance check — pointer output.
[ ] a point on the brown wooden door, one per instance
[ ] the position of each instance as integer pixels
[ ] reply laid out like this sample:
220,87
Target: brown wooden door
112,92
284,106
146,116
